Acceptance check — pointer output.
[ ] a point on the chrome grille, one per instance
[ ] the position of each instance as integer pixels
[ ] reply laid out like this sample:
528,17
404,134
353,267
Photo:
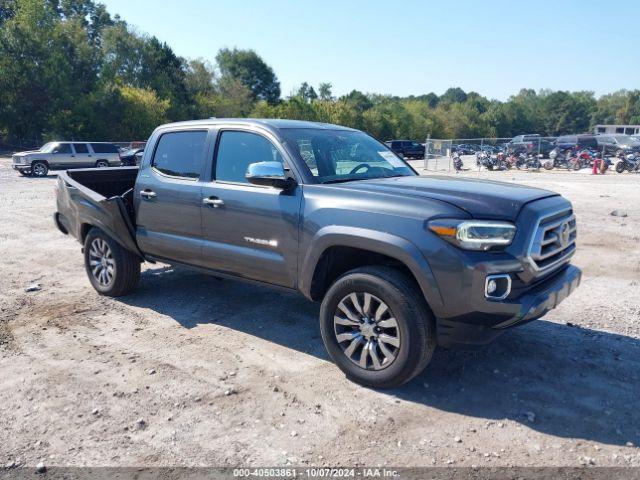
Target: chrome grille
554,240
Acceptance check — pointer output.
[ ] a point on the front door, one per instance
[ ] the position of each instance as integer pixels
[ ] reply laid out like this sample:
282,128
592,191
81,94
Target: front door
168,198
249,230
62,156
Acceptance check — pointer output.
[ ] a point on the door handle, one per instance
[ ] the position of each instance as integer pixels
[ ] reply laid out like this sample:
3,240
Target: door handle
214,202
148,194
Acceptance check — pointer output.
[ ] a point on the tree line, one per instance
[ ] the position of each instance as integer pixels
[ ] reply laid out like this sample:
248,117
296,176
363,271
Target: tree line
70,70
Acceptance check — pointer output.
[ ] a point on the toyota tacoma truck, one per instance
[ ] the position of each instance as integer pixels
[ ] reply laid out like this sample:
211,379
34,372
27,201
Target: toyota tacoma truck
401,263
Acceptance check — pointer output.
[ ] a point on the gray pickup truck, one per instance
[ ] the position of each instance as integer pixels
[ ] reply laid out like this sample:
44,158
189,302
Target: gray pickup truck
401,262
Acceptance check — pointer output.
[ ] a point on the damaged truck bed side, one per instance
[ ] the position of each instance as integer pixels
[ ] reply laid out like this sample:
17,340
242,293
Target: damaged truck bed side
99,198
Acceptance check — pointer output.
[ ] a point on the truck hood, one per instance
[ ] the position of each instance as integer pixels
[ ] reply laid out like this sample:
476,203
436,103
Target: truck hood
479,198
25,153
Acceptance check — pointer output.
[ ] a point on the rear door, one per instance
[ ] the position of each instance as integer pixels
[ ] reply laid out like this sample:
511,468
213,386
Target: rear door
252,231
168,197
83,157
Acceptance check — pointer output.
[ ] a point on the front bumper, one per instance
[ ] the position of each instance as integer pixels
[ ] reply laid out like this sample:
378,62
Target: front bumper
20,166
529,306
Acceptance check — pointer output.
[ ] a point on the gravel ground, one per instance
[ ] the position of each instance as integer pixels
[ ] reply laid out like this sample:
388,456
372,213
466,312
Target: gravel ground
192,370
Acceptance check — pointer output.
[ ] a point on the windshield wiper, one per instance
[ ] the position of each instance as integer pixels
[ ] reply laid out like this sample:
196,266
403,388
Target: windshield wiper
341,180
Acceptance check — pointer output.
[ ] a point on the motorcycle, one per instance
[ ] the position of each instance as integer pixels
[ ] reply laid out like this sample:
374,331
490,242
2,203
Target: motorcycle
457,162
558,159
531,162
583,158
514,161
501,161
629,162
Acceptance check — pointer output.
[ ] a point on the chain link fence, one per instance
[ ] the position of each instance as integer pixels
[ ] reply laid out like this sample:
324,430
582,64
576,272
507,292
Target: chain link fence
439,152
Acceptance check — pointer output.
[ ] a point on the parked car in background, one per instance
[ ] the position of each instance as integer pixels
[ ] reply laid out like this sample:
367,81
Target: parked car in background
577,141
613,143
407,148
65,155
465,149
400,262
490,149
129,157
531,144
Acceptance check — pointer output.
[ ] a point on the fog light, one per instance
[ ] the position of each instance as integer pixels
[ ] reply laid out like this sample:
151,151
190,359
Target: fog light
497,287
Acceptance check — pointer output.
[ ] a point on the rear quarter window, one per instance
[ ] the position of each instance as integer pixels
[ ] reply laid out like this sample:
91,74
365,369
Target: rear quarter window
104,148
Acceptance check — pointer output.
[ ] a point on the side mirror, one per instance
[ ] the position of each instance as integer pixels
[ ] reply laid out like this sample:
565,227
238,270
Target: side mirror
270,174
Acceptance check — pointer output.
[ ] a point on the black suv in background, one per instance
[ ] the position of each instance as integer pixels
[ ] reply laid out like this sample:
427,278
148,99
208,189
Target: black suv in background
577,141
612,143
530,144
406,148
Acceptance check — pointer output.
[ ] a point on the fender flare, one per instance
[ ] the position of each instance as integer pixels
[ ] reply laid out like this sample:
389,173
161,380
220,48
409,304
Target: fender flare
376,241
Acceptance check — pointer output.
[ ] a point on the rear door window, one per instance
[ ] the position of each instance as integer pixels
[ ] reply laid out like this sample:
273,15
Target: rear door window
80,148
180,154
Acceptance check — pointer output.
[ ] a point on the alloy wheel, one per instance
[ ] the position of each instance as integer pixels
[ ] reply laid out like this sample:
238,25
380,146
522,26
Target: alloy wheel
101,262
366,331
39,170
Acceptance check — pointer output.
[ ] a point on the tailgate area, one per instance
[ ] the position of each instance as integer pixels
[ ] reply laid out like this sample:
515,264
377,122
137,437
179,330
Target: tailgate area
97,197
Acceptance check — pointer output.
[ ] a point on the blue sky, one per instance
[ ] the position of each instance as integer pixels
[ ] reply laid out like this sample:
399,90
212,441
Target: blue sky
411,47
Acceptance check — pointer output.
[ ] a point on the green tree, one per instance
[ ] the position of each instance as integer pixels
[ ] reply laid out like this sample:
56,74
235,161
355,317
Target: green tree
247,67
454,95
306,92
324,90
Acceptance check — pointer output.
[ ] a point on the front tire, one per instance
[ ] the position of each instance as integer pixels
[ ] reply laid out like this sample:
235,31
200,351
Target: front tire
112,270
377,327
102,164
39,169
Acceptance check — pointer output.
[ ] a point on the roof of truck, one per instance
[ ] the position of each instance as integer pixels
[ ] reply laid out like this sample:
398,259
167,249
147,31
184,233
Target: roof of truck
271,123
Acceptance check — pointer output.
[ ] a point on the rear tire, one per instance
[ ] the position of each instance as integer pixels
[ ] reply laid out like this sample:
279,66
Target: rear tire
39,169
620,167
548,165
112,270
102,164
394,326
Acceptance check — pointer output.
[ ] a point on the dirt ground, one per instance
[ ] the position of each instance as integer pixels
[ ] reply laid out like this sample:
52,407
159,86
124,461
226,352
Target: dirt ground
191,370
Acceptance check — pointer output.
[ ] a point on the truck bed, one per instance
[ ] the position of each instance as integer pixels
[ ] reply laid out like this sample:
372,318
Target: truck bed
99,197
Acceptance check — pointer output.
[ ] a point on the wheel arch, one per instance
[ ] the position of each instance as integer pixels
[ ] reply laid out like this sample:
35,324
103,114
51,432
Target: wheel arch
41,160
335,250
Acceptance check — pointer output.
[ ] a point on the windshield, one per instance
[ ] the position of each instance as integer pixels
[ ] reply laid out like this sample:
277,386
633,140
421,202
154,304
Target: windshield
344,155
48,147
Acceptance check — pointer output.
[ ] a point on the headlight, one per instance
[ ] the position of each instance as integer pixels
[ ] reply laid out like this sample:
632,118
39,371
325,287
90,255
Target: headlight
474,234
